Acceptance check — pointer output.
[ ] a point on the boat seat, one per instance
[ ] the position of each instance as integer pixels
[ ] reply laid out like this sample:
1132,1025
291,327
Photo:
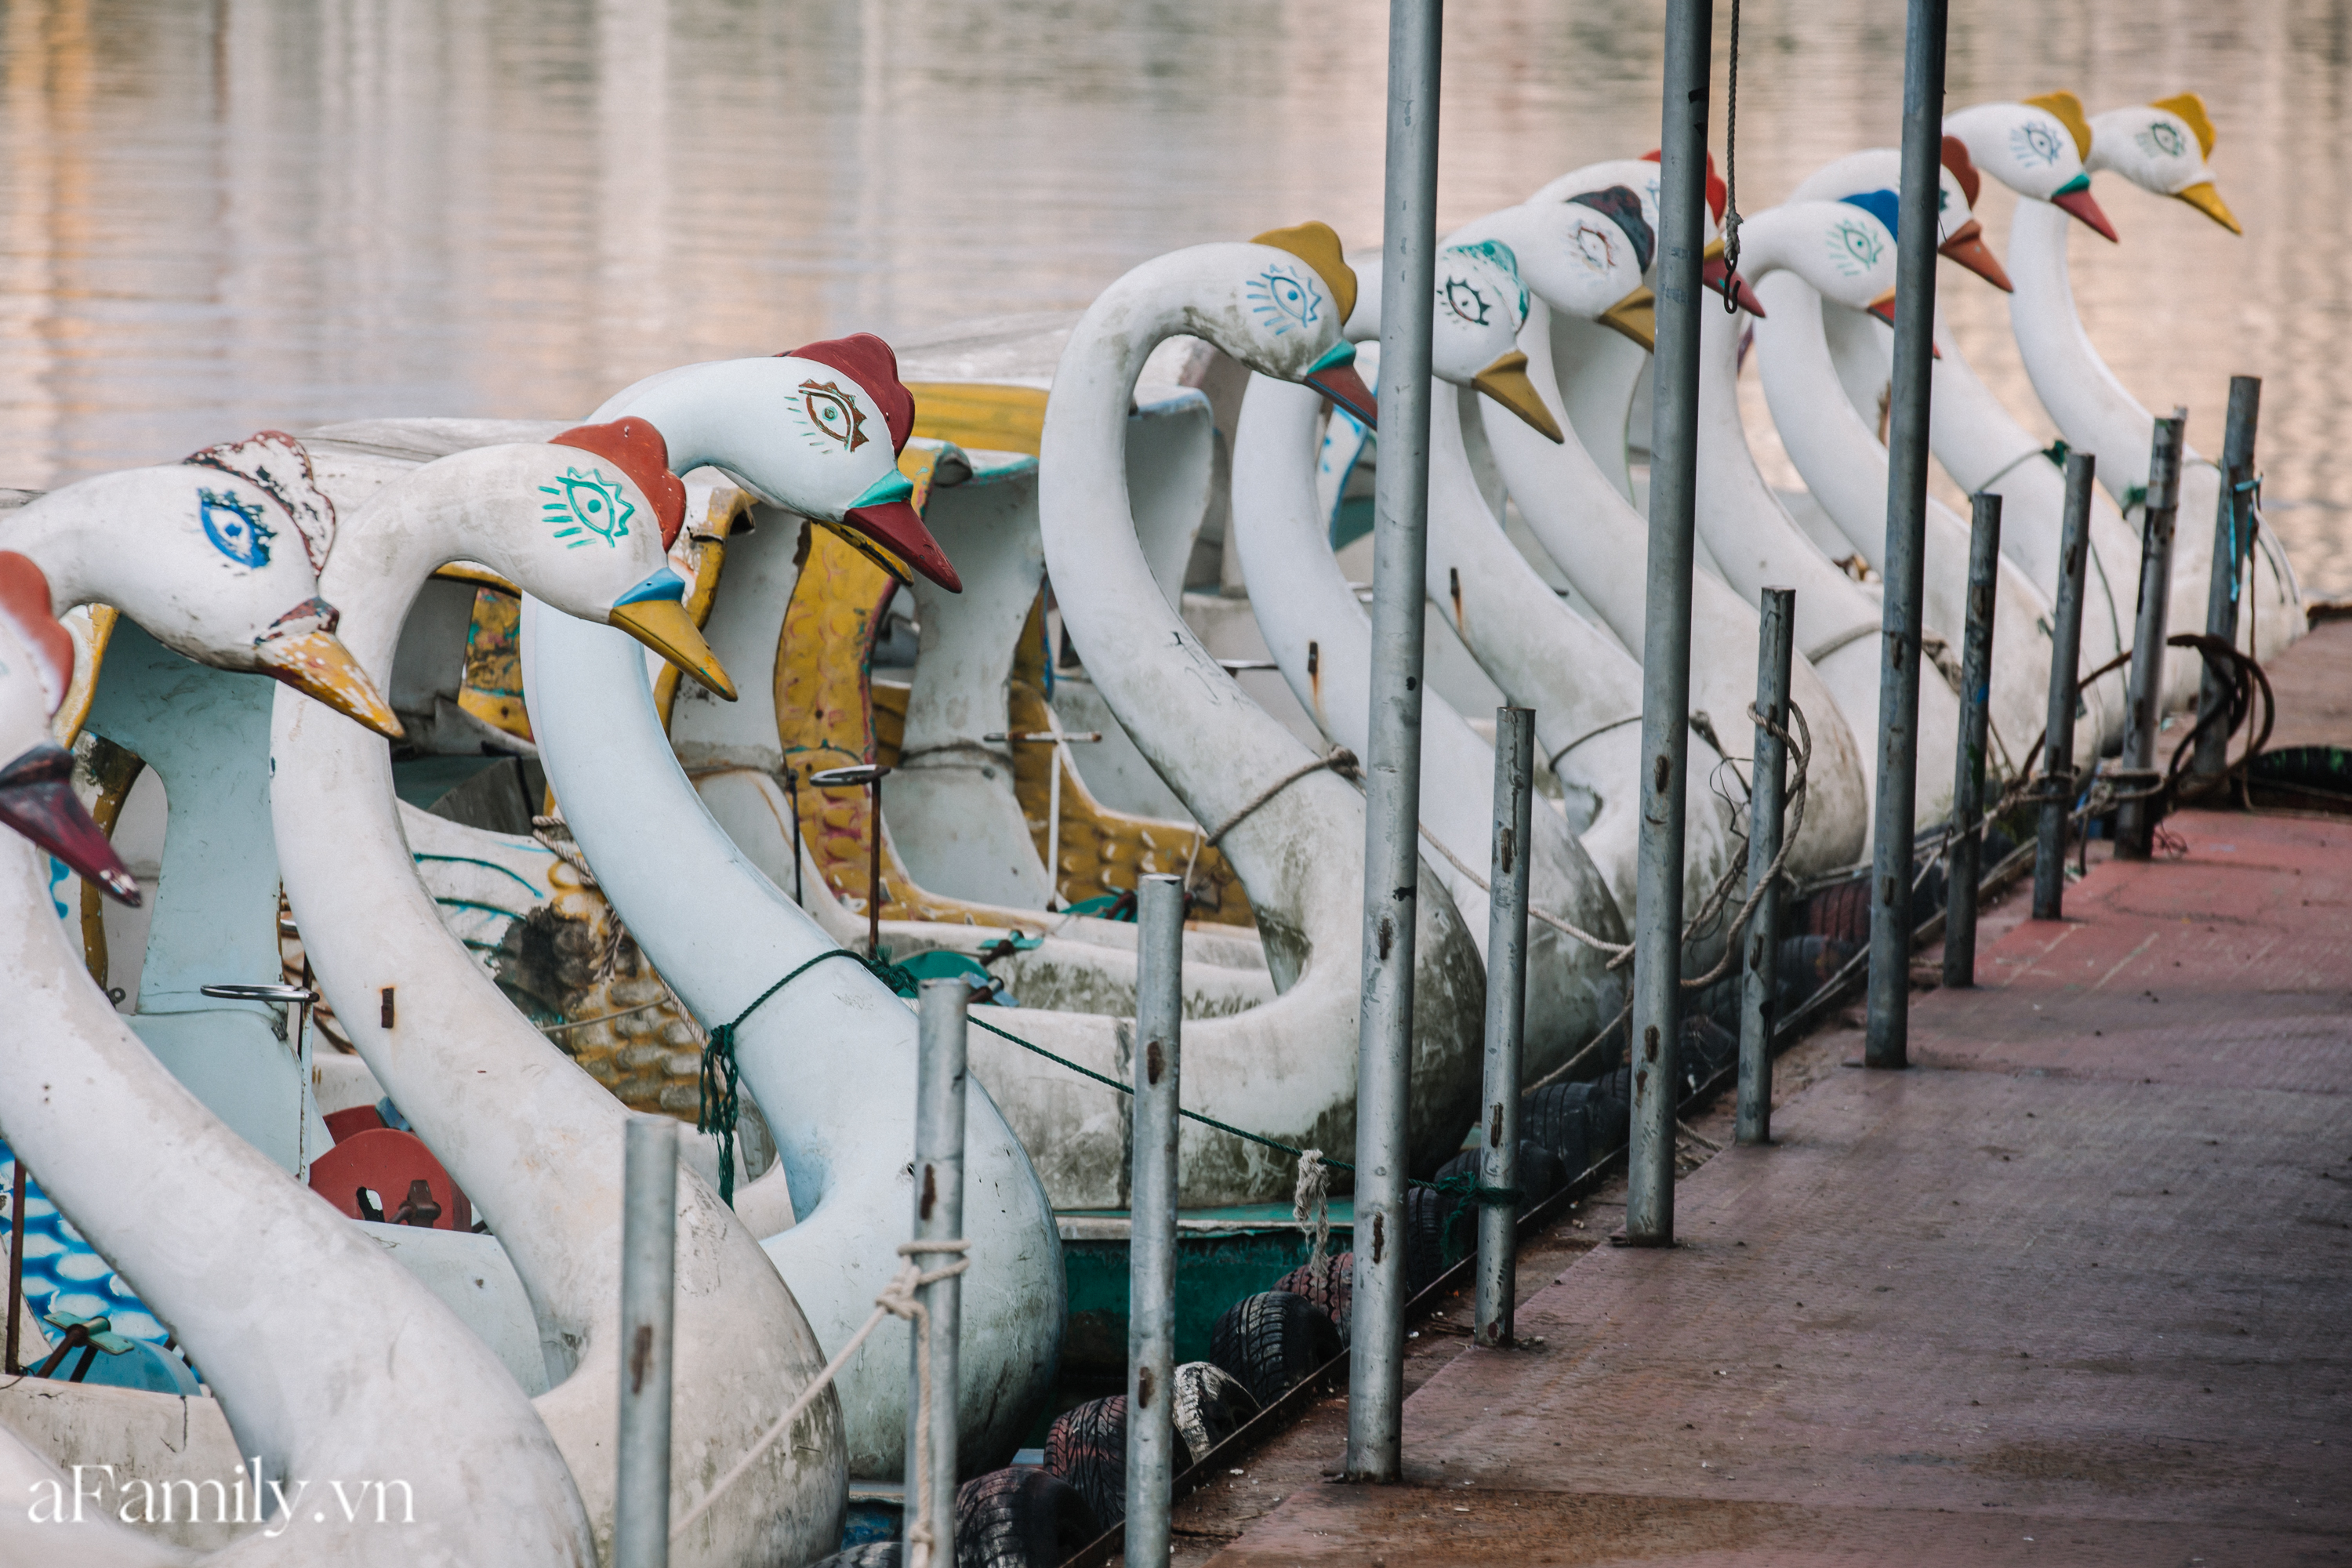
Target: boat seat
352,1120
391,1166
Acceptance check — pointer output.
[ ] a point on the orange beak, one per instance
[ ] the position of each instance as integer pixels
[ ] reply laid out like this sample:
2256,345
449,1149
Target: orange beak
1342,386
1967,247
1883,308
2083,205
1712,273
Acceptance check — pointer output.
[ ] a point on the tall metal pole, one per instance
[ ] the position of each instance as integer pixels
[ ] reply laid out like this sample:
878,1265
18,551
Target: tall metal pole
649,1297
2065,690
938,1216
1666,628
1887,1043
1392,770
1152,1217
2136,818
1767,802
1965,855
1507,1015
2233,542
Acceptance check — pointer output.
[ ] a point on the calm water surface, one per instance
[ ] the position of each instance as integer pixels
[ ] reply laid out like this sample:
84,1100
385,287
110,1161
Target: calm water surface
218,217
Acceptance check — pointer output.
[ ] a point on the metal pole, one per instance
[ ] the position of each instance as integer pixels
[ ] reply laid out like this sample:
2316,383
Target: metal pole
1507,1015
15,1267
1964,850
1392,770
1665,628
2065,691
1151,1218
792,782
2233,542
874,870
648,1274
1887,1042
2136,818
938,1216
1768,803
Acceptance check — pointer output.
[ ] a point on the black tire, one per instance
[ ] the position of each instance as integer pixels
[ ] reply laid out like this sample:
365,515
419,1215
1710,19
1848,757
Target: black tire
1708,1048
1541,1173
1210,1406
1331,1287
1439,1232
866,1555
1840,912
1272,1342
1556,1117
1608,1115
1087,1446
1020,1518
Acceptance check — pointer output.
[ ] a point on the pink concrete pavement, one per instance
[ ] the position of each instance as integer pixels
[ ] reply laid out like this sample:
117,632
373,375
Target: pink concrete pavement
2075,1289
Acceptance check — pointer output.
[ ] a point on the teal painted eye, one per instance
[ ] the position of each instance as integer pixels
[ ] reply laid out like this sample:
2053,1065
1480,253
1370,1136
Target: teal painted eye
1283,300
1464,300
587,507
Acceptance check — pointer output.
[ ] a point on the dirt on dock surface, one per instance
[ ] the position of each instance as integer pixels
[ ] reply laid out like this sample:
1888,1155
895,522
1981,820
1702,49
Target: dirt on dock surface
2072,1289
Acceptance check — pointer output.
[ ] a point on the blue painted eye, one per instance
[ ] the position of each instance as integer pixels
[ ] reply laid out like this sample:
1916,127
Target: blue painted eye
234,527
1284,300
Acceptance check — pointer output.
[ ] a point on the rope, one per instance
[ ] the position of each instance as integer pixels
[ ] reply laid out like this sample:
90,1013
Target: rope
897,1300
1312,1202
718,1106
1731,177
1338,759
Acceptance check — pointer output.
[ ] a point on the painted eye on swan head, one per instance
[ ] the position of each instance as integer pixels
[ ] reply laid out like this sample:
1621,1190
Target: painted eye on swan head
827,414
1283,300
1464,300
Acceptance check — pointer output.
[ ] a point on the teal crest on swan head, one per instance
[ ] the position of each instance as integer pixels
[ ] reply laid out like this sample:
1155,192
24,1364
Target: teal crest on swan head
1284,297
588,507
234,527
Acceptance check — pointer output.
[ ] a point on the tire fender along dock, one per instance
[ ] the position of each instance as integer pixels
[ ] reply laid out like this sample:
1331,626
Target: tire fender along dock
2070,1288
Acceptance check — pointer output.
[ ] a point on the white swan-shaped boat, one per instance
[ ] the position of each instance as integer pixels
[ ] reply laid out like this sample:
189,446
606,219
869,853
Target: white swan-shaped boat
535,1142
831,1059
1845,465
329,1361
1579,260
1585,689
1322,638
2160,147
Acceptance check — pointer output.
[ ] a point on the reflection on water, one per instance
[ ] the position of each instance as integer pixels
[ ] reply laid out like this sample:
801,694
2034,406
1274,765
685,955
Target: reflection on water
284,212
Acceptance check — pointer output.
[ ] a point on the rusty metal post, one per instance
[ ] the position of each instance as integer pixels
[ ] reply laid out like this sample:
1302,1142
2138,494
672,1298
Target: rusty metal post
2143,768
1964,857
2234,545
1768,801
2065,691
1506,1018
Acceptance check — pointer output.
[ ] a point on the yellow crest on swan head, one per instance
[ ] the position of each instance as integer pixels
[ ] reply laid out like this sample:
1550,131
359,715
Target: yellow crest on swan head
2069,110
2192,108
1317,245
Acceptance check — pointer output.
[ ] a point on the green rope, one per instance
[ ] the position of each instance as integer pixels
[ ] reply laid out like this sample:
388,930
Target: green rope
720,1075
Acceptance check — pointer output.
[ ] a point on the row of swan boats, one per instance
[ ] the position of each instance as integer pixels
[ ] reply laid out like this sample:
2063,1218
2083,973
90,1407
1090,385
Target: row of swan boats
658,629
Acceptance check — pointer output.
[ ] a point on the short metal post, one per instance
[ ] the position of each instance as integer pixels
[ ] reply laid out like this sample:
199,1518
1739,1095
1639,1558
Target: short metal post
2234,543
2065,691
1768,803
649,1273
1392,763
2136,816
1151,1218
868,776
1657,911
792,784
1887,1042
15,1267
938,1216
1506,1018
1964,857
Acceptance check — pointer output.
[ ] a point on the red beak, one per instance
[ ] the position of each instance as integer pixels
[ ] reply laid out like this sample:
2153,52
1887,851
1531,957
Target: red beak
899,528
1712,273
2086,207
1967,247
1343,386
36,799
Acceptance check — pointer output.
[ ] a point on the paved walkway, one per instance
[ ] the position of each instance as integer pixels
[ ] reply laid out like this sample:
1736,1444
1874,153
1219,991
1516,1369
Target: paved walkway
2076,1289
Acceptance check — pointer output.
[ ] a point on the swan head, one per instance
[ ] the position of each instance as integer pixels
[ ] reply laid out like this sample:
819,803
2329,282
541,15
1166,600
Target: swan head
1296,295
2162,147
606,505
36,797
1480,307
817,431
1959,235
2036,148
1844,249
1582,250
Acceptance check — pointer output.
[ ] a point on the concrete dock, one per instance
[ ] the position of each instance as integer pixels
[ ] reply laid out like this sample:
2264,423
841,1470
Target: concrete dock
2075,1288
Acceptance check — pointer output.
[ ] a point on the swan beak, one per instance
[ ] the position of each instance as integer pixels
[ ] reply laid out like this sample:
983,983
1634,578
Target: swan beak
885,526
654,613
1506,381
1968,248
36,799
1635,316
1714,270
318,665
2075,198
1334,376
1883,308
2207,200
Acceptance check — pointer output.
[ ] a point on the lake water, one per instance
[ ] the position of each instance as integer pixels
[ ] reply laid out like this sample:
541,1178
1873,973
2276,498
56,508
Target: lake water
247,212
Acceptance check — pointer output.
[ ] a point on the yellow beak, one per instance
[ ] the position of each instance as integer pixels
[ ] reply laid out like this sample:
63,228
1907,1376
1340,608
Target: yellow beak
663,625
1506,381
2207,200
1636,316
317,664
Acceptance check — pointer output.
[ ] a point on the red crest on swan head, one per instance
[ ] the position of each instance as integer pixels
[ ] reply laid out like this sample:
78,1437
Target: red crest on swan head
871,364
643,454
26,608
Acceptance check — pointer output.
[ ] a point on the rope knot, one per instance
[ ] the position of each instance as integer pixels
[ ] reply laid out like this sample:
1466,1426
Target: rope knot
1311,1203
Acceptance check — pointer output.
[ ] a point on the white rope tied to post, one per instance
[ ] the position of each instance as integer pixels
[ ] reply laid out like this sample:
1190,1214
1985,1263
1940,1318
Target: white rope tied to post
897,1300
1338,759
